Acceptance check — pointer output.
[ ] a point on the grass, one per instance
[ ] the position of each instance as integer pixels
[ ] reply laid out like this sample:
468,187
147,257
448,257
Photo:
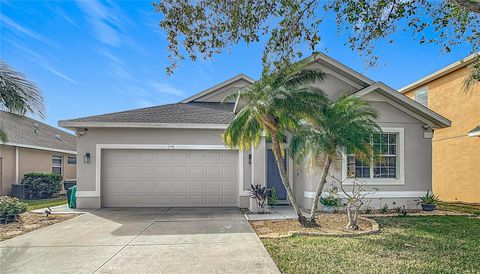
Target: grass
470,209
42,203
433,244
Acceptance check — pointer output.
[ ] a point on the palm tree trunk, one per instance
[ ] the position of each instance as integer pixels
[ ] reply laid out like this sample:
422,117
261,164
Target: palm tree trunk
318,192
280,159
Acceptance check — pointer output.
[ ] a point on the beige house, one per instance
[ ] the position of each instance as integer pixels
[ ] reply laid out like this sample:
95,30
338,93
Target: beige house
173,155
33,146
456,149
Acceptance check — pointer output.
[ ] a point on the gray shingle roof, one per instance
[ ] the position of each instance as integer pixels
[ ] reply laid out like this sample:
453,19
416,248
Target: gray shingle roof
21,130
184,113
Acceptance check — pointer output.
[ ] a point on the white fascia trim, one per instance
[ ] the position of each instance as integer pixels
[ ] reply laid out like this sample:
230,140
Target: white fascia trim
435,117
382,181
218,86
71,124
441,72
378,194
39,148
98,158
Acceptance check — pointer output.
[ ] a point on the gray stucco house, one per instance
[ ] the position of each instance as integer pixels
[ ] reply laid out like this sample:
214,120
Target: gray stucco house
173,155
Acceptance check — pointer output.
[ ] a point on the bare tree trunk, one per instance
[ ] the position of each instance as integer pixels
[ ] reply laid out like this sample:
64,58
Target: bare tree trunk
283,175
352,219
318,191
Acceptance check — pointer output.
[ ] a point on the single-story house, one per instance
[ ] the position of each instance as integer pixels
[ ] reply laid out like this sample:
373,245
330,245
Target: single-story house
32,146
173,155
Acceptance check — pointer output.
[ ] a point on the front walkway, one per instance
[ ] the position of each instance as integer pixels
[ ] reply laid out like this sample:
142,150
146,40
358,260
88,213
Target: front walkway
175,240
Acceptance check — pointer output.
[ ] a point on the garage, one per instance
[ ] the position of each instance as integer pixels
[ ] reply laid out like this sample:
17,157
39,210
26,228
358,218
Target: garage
169,178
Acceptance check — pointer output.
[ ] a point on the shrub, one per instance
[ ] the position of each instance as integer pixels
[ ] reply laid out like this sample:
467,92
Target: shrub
41,185
273,197
10,208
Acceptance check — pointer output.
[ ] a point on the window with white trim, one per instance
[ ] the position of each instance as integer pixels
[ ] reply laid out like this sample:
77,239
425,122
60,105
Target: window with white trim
72,160
57,164
384,165
421,96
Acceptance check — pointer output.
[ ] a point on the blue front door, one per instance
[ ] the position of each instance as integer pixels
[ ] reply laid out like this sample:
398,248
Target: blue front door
273,178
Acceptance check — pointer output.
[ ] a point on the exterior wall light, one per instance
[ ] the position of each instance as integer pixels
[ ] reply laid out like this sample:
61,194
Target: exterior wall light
86,158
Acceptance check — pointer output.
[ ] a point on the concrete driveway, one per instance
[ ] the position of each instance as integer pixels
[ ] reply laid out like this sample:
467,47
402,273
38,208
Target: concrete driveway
144,240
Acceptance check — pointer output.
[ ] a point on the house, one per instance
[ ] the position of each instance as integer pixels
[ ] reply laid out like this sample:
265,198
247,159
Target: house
456,149
173,155
33,146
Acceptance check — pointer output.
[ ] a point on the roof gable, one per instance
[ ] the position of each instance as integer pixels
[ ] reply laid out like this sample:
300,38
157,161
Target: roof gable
405,102
219,91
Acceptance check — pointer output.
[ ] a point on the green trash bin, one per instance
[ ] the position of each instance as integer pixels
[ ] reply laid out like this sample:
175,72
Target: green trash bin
72,197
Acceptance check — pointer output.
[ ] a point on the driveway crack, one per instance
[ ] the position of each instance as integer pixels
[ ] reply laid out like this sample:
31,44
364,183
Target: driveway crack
129,242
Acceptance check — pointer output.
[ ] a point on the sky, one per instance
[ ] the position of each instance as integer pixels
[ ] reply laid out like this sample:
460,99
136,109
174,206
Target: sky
92,57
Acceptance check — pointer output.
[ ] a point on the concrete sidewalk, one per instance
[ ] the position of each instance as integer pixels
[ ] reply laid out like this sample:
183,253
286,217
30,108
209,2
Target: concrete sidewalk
143,240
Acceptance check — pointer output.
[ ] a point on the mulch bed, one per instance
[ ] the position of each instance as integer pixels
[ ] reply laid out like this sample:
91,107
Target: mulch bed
28,221
329,225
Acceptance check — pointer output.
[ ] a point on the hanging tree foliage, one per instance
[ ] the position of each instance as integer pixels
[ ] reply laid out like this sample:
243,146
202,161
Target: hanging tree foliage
204,28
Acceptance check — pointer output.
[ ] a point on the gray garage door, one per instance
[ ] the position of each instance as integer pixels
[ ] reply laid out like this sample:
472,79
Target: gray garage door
169,178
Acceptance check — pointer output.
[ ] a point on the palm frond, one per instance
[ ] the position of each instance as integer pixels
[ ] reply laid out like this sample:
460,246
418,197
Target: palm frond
19,95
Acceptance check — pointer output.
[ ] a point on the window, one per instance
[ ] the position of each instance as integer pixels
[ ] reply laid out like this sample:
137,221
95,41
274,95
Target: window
386,147
385,165
421,96
57,164
72,160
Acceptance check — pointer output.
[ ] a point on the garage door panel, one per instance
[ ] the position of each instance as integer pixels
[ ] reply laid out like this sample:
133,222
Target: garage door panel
164,171
164,156
213,172
196,172
180,156
164,186
180,172
164,178
196,186
146,171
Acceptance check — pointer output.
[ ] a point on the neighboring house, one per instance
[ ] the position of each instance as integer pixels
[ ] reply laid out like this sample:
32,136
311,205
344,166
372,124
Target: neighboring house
173,155
456,150
33,146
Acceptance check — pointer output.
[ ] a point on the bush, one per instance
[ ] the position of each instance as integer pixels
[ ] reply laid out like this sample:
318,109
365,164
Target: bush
41,185
10,208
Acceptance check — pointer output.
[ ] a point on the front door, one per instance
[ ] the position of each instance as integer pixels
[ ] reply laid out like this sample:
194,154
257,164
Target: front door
274,180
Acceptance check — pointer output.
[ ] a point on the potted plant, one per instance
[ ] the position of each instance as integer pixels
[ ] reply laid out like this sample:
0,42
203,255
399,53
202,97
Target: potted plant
429,201
330,201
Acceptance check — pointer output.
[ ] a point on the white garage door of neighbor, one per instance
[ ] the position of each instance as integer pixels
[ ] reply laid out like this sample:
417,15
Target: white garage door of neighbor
169,178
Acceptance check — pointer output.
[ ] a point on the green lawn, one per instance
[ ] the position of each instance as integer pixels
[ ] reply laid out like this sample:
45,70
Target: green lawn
470,209
36,204
434,244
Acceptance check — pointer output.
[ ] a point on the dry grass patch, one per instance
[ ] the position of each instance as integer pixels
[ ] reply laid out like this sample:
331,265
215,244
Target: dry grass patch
329,224
27,222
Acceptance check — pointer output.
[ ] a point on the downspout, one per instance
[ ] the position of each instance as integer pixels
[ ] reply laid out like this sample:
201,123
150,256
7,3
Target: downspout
16,165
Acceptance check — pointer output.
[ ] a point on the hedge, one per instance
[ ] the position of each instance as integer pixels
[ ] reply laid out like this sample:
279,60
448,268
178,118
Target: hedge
41,185
10,208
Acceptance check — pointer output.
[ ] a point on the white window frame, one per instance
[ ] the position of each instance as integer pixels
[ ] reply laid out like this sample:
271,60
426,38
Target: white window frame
58,166
68,160
400,180
423,89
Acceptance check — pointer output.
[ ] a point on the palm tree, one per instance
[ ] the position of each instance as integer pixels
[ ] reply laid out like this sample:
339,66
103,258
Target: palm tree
345,125
274,105
18,95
